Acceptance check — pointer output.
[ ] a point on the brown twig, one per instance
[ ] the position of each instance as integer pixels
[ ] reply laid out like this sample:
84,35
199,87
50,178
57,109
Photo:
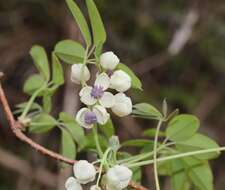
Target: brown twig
16,129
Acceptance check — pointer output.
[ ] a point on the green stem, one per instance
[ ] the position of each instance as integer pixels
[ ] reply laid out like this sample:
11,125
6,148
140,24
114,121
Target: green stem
155,154
147,162
99,149
143,156
33,97
104,158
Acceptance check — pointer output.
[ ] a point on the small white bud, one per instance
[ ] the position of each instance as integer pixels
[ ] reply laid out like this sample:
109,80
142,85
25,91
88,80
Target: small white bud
109,60
72,184
118,177
122,106
77,72
120,81
84,172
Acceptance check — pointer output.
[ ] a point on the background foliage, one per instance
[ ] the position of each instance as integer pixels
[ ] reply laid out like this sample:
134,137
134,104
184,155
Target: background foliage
140,33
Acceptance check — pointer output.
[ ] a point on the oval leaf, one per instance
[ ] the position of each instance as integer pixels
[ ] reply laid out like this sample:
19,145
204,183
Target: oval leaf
199,142
182,127
108,129
33,83
97,25
57,71
42,124
68,147
40,59
81,21
70,51
136,83
147,111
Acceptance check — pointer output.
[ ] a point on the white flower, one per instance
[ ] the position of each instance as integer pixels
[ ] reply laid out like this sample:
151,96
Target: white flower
109,60
72,184
123,105
84,171
95,187
118,177
120,81
87,118
78,71
90,95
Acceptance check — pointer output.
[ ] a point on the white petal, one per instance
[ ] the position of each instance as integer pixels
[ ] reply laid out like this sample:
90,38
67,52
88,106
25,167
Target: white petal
107,100
120,81
84,171
80,118
78,71
109,60
86,97
72,184
103,80
122,106
101,114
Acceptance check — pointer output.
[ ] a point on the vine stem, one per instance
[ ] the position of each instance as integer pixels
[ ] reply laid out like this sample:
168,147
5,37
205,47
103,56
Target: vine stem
155,154
99,149
147,162
30,102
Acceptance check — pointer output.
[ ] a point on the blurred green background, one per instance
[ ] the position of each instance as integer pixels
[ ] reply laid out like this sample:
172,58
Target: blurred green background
177,48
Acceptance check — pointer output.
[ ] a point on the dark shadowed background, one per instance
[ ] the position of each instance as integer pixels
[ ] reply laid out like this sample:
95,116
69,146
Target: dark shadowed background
177,48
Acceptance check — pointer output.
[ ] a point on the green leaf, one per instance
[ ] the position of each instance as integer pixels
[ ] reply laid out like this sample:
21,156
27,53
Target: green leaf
47,103
40,59
76,131
136,83
199,173
70,51
148,147
136,143
147,110
91,142
182,127
80,19
152,132
97,25
57,71
199,142
68,147
179,179
33,83
137,174
107,129
20,107
42,123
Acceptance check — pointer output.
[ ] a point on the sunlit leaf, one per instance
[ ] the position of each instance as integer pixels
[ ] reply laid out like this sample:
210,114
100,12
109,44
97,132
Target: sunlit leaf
33,83
70,51
57,71
80,19
199,142
42,123
108,129
97,25
40,59
182,127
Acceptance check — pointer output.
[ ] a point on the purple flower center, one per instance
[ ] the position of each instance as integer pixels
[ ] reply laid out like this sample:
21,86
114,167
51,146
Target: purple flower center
109,72
90,118
97,92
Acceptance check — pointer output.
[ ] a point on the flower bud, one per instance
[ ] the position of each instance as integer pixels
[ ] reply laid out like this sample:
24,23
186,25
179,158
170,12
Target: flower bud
122,106
120,81
118,177
109,60
84,172
72,184
78,71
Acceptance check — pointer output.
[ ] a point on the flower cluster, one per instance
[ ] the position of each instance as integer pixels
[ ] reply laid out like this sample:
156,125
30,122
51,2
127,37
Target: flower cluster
98,98
117,177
